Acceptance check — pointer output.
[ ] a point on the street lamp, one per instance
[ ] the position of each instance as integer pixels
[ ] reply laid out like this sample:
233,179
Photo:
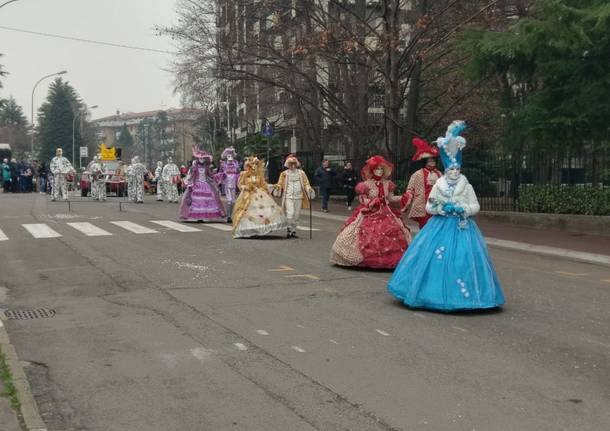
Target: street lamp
78,114
63,72
5,3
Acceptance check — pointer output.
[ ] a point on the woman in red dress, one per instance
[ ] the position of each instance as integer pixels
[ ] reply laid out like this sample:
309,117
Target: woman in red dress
375,236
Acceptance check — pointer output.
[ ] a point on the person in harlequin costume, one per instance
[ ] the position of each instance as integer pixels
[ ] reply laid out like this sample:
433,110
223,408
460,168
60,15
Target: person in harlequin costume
201,200
448,267
255,212
98,179
296,192
136,172
375,235
170,175
421,182
61,168
159,180
228,175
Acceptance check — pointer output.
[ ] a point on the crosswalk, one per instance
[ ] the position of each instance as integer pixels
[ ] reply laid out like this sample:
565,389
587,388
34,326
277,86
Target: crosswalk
88,229
108,229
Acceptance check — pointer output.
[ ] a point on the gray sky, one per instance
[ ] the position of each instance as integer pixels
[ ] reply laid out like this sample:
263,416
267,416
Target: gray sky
113,78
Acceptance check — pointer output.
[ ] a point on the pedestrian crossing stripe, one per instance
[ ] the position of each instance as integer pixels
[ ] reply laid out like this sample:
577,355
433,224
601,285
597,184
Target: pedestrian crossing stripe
3,236
89,229
40,230
224,227
306,228
133,227
180,227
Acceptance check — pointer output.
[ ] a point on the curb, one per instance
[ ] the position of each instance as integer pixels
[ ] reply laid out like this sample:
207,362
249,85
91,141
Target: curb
580,256
29,410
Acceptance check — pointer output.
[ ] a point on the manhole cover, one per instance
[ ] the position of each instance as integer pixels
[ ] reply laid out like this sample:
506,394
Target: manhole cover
39,313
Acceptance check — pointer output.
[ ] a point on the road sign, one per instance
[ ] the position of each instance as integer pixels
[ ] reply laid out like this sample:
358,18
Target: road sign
267,129
84,152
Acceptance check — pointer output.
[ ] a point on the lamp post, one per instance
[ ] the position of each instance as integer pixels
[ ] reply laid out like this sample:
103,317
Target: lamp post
63,72
78,114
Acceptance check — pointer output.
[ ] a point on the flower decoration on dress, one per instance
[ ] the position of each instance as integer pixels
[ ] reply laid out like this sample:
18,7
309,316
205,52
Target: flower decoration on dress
423,150
291,158
452,144
200,154
373,163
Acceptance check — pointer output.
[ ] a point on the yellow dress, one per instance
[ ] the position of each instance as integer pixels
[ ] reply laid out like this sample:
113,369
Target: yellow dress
255,212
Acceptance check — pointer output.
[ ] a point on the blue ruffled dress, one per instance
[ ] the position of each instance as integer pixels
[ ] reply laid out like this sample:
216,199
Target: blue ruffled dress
447,267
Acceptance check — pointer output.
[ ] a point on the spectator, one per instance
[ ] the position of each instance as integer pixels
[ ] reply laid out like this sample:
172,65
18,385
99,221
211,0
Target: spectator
6,176
350,179
324,177
14,176
42,178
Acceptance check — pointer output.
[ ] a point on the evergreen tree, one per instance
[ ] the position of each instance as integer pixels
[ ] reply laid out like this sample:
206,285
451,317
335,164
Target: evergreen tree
55,120
125,141
11,113
553,67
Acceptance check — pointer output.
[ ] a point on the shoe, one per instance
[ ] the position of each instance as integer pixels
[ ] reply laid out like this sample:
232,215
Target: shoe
349,208
293,235
229,220
324,210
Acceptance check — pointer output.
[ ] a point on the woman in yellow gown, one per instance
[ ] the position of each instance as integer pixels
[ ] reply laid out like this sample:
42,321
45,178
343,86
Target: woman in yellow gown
255,213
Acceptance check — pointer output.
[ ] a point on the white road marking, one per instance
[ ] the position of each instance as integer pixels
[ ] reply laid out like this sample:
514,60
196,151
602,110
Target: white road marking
298,349
240,346
201,354
333,341
89,229
3,236
306,228
261,332
132,227
460,329
41,231
300,326
385,334
224,227
180,227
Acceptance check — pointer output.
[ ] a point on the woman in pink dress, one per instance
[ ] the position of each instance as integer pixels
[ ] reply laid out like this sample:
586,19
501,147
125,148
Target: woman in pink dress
375,236
201,200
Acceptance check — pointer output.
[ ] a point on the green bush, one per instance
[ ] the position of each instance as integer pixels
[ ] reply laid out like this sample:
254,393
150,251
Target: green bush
564,199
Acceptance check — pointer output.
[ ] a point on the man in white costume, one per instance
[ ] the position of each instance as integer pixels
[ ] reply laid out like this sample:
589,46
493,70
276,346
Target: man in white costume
170,176
60,168
159,180
98,179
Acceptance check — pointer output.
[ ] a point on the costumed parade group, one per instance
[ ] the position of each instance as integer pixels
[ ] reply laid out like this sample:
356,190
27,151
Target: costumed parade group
445,267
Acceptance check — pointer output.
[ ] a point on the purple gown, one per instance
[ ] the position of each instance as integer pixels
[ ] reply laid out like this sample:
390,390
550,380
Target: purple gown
201,201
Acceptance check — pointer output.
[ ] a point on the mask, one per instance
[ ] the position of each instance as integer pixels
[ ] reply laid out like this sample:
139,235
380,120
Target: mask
453,174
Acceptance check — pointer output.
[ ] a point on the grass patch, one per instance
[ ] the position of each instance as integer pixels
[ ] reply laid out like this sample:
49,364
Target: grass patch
6,377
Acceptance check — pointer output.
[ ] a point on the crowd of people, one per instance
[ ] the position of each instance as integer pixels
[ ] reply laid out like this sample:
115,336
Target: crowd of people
445,267
24,176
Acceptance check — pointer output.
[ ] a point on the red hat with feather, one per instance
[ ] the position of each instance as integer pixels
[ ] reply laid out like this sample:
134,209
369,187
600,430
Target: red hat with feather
423,150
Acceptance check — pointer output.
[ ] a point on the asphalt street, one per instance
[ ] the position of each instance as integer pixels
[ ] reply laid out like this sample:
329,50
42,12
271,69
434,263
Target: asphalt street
158,329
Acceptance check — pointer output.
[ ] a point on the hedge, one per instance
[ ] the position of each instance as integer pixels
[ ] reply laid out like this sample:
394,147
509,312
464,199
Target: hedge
565,199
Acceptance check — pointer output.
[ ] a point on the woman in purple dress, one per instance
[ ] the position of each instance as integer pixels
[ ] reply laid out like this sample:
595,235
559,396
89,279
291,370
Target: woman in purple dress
201,200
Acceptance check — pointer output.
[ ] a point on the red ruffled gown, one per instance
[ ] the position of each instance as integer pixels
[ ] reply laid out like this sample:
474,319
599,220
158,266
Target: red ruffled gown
375,235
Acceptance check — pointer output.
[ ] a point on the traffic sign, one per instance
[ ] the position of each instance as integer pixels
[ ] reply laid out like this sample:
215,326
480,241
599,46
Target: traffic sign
267,129
84,152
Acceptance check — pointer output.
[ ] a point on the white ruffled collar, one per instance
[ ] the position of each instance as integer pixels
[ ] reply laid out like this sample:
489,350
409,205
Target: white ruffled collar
447,190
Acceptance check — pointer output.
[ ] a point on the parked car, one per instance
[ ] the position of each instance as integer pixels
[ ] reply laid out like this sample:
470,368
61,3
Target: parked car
115,181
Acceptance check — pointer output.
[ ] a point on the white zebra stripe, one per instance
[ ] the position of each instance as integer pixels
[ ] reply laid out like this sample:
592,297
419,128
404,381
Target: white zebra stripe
180,227
133,227
40,230
89,229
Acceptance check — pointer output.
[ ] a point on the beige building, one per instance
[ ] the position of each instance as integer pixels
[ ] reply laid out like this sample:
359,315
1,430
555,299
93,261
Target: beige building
156,134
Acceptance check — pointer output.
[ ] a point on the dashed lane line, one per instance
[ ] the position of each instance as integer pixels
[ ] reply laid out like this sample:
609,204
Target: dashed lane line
89,229
240,347
218,226
133,227
282,268
384,333
306,229
309,276
298,349
261,332
40,230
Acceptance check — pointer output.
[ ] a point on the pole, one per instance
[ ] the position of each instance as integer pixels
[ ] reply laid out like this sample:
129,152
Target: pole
73,137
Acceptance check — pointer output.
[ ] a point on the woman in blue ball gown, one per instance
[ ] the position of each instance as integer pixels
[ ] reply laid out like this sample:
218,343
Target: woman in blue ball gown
447,266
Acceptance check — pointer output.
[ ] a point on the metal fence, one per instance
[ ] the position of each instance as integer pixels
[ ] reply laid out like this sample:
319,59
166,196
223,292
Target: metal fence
534,181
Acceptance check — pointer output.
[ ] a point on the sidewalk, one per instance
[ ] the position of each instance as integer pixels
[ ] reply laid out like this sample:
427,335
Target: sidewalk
588,248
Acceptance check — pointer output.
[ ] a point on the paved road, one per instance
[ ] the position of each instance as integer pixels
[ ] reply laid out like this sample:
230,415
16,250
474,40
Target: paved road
167,330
